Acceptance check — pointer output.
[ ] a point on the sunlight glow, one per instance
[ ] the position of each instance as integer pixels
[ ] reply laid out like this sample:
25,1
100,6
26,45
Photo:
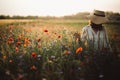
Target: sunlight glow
55,7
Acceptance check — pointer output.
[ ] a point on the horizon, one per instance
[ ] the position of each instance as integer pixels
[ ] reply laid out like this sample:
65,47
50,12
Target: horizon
55,8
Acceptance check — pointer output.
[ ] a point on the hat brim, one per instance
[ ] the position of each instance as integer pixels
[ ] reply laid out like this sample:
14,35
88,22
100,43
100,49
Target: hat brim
97,19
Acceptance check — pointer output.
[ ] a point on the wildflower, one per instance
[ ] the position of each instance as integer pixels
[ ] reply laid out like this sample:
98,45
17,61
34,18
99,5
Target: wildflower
10,61
33,54
39,57
45,30
25,45
66,52
33,67
10,40
7,72
19,36
18,43
101,76
20,76
17,49
4,57
79,68
44,79
39,40
83,63
26,40
59,36
78,50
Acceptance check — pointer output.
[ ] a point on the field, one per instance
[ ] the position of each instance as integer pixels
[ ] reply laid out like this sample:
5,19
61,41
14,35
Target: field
49,50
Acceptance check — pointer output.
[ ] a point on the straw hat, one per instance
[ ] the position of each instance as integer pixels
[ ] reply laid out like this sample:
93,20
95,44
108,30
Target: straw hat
98,17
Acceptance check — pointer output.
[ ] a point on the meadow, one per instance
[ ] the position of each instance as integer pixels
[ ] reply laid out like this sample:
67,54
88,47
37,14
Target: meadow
49,50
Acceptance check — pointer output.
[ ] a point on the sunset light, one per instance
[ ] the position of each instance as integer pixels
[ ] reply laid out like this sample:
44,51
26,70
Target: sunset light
55,7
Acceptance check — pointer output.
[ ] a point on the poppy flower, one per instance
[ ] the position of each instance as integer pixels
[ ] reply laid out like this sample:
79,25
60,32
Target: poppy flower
83,63
66,52
33,54
18,43
10,61
10,40
4,57
39,40
25,45
53,57
33,67
17,49
19,36
45,30
78,50
59,36
26,40
20,76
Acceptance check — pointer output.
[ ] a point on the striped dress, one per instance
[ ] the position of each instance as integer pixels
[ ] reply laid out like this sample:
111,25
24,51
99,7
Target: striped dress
97,40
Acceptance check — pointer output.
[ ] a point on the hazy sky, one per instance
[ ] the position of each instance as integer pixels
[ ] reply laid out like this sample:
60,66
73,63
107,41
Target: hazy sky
55,7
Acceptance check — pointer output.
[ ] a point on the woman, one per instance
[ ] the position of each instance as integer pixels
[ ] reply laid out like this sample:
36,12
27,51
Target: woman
94,35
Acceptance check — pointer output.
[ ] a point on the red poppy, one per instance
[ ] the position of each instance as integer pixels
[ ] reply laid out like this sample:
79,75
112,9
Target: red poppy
10,40
26,40
78,50
39,40
18,43
83,63
33,54
45,30
66,52
17,49
59,36
4,57
33,67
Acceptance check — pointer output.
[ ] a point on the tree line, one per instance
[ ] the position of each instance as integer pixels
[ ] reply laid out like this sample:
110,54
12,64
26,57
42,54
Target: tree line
82,15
